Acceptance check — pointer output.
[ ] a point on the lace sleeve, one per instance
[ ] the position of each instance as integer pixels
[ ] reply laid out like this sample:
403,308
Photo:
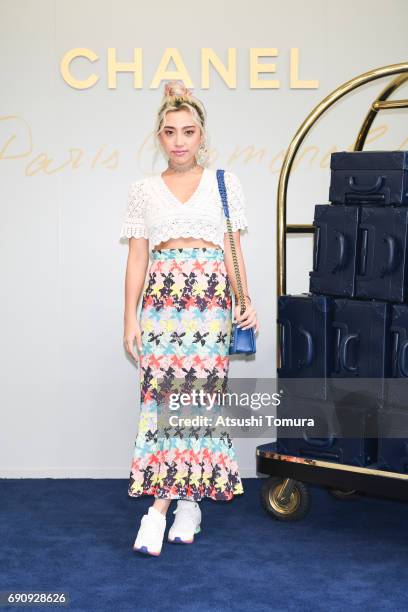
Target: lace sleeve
236,203
134,221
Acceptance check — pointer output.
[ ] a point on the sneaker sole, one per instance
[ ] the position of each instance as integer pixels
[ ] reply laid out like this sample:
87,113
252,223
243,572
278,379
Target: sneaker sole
178,540
145,551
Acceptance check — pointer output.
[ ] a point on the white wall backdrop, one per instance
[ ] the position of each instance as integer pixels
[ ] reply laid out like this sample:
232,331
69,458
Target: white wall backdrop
69,395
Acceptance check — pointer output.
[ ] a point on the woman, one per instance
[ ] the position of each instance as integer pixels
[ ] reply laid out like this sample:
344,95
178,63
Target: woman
185,322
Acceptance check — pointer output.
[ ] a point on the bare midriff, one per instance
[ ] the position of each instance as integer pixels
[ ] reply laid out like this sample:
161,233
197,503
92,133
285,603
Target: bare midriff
185,243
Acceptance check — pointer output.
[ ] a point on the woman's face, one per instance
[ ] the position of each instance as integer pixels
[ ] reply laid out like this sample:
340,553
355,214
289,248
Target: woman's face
180,137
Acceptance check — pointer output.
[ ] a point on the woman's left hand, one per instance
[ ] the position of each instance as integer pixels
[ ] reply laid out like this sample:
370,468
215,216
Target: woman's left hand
248,319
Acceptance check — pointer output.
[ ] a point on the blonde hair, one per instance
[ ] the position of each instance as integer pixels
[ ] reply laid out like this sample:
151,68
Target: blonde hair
177,97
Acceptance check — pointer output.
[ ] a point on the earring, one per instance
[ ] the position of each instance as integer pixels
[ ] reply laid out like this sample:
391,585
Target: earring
202,153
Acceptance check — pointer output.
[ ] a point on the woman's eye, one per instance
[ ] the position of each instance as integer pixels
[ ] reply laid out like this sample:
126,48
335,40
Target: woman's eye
170,133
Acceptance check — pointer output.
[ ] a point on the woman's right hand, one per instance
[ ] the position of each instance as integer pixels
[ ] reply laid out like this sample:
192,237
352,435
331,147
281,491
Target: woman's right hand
132,332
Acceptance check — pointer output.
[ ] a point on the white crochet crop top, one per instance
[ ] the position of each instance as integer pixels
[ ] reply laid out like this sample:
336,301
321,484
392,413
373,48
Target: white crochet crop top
154,212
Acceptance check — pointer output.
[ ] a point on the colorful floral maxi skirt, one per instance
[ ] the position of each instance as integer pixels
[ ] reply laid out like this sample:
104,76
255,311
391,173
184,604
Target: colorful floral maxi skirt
186,326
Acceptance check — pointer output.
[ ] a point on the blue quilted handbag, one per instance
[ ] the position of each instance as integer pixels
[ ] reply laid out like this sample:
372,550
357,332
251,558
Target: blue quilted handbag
242,340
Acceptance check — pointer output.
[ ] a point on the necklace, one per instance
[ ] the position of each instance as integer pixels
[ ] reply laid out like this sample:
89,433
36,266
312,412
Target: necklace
185,168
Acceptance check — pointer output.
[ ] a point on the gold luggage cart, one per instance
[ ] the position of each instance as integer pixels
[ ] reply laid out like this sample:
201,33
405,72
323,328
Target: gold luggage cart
285,494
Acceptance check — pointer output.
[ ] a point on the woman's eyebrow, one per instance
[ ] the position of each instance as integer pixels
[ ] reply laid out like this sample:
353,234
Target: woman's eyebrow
184,127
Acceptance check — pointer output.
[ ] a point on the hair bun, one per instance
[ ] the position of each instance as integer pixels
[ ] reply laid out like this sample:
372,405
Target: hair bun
176,88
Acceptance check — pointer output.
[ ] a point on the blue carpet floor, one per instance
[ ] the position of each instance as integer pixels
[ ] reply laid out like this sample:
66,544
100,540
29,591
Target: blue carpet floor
77,535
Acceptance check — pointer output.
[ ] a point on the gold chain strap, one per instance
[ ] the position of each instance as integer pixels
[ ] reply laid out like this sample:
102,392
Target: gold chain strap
236,267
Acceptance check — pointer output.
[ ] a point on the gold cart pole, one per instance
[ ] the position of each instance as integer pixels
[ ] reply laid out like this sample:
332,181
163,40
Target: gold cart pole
327,102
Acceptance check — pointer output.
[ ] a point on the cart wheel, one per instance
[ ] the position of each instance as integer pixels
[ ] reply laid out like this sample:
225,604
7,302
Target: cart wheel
292,508
344,494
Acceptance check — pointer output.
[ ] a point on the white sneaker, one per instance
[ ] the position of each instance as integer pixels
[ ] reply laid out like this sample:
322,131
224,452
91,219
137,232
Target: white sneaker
149,539
186,524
